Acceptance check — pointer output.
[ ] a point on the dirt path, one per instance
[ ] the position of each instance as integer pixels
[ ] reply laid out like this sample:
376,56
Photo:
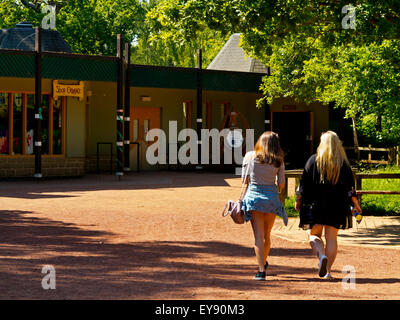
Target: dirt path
160,236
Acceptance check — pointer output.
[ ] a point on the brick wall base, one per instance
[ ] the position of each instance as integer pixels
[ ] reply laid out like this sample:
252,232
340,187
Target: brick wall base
51,167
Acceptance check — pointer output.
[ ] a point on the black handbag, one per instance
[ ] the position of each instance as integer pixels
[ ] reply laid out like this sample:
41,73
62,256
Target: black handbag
307,216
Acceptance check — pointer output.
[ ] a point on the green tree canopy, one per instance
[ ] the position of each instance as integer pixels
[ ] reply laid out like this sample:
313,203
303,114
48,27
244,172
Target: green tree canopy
313,54
88,26
91,26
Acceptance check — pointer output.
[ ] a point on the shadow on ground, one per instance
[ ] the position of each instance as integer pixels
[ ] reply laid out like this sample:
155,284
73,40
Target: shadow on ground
388,234
87,267
29,189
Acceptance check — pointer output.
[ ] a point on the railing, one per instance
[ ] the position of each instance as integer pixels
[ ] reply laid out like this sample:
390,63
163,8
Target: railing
296,174
393,154
360,176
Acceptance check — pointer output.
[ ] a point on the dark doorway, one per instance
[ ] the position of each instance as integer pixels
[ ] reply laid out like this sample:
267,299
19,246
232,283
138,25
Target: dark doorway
295,132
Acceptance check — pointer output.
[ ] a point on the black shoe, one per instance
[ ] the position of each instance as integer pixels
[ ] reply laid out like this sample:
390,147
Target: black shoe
260,275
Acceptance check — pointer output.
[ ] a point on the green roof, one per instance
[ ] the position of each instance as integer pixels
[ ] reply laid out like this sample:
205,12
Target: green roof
96,68
19,65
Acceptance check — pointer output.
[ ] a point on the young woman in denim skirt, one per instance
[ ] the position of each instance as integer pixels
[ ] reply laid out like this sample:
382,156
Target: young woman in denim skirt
261,203
327,189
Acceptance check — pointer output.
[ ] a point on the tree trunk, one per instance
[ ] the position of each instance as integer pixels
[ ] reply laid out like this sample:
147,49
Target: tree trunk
379,123
356,146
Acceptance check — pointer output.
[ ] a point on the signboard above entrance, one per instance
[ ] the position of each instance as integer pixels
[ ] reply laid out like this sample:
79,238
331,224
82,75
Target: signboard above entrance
289,108
68,90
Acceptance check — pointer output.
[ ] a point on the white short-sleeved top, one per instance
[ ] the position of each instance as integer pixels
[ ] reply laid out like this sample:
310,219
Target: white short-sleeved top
262,173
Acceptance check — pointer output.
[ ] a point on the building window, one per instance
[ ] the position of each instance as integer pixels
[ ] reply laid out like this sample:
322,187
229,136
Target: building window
187,115
4,120
207,112
17,123
57,127
17,117
30,123
45,123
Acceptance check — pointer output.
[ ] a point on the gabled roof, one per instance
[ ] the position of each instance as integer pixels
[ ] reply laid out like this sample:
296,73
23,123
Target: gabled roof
22,37
233,58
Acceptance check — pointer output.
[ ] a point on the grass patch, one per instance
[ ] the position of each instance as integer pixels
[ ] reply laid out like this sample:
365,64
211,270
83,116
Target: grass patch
289,207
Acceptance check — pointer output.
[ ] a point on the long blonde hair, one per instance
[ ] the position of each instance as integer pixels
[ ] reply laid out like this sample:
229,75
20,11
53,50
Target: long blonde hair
268,149
330,157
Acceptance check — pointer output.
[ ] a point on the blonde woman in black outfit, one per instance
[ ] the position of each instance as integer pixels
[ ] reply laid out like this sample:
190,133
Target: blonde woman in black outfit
325,195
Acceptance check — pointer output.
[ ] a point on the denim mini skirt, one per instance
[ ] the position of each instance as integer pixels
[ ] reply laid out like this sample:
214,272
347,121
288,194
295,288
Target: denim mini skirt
263,198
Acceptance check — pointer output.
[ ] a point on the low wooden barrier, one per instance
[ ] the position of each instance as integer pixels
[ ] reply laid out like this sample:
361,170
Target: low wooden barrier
358,177
361,192
393,154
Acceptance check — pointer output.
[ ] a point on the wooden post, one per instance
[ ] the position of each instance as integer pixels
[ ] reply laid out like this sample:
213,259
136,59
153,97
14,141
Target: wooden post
369,153
356,146
38,104
391,153
267,118
127,107
120,111
199,119
358,183
341,124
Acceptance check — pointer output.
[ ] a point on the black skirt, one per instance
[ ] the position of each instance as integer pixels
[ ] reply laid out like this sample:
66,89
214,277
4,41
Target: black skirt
337,217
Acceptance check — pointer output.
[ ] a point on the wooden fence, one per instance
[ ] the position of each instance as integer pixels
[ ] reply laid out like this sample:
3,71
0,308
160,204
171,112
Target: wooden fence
358,177
393,154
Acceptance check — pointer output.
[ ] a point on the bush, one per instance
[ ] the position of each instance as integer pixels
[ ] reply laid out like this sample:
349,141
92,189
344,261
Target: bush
289,207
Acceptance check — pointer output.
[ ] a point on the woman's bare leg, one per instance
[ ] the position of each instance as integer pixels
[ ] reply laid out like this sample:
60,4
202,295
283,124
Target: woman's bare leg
331,246
316,242
269,219
257,222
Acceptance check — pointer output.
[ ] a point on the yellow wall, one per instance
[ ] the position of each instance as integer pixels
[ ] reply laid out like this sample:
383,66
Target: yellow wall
101,119
75,128
23,85
94,120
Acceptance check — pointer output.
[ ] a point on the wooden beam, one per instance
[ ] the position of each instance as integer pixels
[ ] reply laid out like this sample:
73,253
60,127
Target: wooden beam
10,124
127,108
38,104
120,110
361,192
24,122
199,118
51,106
267,117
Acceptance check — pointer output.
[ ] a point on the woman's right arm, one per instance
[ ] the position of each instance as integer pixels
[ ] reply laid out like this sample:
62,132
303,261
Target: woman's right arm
349,181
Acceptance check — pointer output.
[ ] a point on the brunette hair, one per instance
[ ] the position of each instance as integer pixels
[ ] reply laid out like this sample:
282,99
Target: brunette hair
268,149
